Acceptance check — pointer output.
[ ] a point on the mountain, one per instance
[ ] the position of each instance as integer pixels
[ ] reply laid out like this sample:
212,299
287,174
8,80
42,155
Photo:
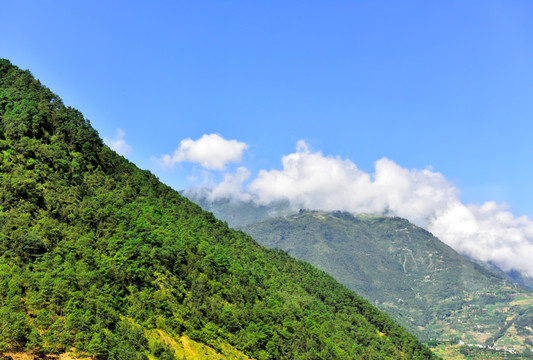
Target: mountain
408,273
235,212
239,213
514,276
99,259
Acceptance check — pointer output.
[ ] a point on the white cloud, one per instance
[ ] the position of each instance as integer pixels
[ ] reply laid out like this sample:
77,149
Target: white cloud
312,180
488,232
211,151
118,144
230,186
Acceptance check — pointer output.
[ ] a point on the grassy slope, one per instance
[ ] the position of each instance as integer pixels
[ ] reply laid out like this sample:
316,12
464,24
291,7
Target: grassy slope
182,347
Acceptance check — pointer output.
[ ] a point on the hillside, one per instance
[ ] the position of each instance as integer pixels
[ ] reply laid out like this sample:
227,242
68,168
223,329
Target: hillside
99,258
408,273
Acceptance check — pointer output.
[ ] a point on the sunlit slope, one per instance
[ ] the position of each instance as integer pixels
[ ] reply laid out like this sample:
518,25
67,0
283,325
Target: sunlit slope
180,348
97,257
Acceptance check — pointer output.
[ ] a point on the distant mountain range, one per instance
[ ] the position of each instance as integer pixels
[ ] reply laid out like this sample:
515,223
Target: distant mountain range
403,269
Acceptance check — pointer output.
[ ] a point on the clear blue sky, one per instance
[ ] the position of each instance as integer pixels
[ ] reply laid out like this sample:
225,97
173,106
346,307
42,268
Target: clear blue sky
447,85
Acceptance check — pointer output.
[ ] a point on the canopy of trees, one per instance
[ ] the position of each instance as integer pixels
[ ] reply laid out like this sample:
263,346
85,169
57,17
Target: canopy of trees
95,252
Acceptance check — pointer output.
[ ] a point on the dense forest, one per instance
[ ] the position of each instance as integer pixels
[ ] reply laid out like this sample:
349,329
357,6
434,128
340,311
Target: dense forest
96,253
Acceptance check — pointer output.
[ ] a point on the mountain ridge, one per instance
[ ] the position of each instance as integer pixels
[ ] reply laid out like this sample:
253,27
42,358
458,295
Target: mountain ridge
405,271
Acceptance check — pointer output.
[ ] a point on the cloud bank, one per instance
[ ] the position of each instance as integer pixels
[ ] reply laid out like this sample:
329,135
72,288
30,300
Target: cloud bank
118,144
231,186
307,179
212,152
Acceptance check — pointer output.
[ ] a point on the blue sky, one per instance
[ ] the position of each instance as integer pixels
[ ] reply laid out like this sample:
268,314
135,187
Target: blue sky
445,86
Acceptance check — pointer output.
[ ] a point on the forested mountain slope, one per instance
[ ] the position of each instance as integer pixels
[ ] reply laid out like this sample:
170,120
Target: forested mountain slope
410,274
100,257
